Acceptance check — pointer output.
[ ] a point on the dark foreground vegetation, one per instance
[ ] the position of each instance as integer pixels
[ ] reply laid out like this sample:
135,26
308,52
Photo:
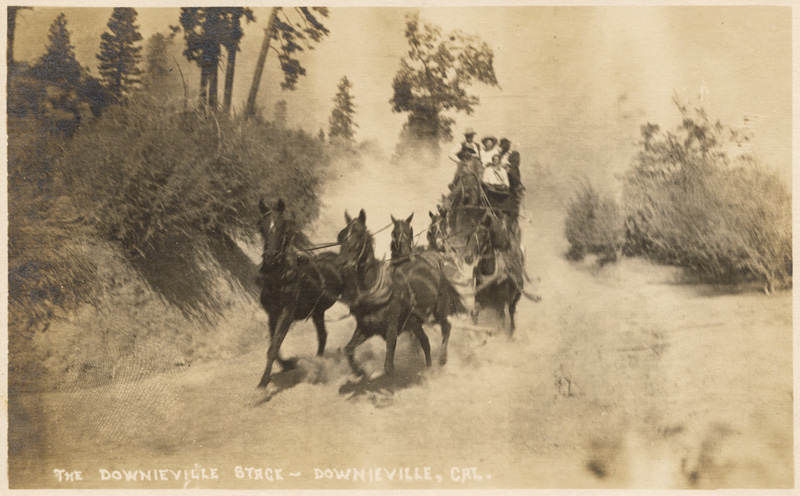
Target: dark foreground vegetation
690,199
131,200
163,190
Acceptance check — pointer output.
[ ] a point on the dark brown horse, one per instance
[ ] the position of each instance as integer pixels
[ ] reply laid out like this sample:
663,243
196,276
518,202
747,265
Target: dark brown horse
293,287
388,300
422,265
437,231
499,269
465,188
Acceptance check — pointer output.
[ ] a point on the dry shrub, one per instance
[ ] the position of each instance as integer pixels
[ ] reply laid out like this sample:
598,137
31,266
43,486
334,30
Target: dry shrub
690,203
593,225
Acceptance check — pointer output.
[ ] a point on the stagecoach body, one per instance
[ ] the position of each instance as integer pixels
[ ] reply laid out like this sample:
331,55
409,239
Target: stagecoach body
469,201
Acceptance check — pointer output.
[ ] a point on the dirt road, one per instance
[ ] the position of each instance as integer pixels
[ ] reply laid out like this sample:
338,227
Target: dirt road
622,376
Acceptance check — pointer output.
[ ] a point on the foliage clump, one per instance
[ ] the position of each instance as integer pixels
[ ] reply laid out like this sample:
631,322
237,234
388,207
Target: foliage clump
693,199
434,79
145,173
594,225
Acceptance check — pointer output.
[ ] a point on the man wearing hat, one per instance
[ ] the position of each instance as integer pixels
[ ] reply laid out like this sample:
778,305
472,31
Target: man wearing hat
466,148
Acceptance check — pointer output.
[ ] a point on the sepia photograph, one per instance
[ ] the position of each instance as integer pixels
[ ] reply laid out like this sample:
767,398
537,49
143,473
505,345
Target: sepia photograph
415,247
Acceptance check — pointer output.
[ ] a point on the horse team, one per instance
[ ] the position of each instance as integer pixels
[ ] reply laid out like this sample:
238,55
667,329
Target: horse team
386,299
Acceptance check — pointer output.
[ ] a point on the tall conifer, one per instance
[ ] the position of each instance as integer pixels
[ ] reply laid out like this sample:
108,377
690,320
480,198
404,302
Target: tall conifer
341,120
119,54
58,65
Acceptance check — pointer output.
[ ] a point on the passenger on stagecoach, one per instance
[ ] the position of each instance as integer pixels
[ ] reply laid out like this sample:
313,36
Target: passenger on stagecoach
504,150
495,177
509,159
466,148
489,150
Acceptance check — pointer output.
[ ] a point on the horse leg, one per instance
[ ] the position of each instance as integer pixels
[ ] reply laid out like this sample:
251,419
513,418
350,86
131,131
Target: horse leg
512,307
476,310
350,351
391,339
445,325
277,333
423,342
322,335
285,364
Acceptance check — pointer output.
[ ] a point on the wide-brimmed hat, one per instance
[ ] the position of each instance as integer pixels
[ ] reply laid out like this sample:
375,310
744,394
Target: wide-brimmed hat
489,138
469,131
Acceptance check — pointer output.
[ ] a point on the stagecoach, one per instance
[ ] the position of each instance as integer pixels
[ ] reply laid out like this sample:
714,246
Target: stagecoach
469,201
480,221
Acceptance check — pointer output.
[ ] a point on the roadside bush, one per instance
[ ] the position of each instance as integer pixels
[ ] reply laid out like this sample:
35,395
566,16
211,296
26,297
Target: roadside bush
689,202
169,187
593,225
144,173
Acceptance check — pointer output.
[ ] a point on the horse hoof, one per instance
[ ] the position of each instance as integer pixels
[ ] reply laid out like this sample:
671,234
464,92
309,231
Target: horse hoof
289,364
261,395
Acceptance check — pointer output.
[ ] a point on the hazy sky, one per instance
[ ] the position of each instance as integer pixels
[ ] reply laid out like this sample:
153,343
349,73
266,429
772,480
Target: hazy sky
576,82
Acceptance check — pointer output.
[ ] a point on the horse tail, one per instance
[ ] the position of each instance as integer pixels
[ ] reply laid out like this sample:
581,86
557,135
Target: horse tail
453,297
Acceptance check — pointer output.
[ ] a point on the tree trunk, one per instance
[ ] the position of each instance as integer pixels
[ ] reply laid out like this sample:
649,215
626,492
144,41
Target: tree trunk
250,109
12,24
229,69
212,82
203,86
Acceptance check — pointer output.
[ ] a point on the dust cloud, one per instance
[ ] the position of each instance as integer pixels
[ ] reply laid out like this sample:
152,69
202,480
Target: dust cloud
625,375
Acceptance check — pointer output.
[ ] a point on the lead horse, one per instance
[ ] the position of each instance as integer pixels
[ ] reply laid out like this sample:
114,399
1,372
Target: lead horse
293,288
386,301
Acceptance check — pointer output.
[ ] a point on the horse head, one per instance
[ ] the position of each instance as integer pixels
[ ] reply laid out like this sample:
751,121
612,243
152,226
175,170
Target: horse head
480,242
277,232
356,244
402,237
437,232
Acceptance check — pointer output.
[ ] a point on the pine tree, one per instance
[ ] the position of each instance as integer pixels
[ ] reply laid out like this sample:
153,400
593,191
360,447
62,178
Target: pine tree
341,120
119,56
192,20
157,64
231,38
58,65
206,31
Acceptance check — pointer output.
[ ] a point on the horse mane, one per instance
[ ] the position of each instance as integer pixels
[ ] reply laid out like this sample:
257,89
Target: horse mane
500,237
366,238
369,244
498,231
301,240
